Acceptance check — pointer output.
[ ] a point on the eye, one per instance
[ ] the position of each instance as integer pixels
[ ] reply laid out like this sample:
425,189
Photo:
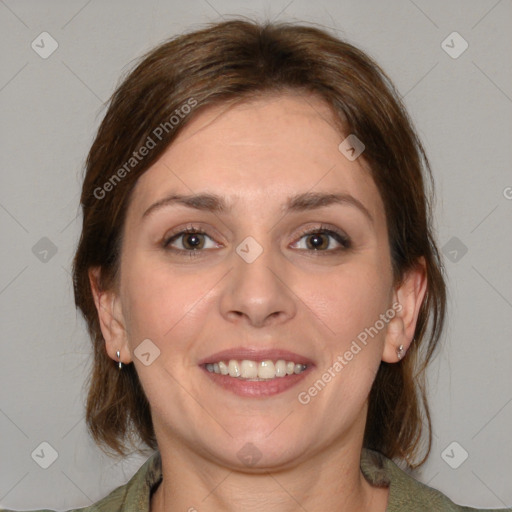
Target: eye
192,241
323,239
189,240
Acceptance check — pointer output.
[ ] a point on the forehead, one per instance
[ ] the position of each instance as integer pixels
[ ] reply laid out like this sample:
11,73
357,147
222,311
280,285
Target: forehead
259,151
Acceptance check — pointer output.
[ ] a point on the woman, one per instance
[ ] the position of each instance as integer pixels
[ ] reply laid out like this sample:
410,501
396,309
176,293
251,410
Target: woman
260,279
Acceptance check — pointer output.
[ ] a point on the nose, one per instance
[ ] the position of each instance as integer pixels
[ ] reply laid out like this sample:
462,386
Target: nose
257,293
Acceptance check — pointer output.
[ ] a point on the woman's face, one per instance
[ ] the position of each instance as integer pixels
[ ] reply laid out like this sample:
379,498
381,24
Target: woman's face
253,286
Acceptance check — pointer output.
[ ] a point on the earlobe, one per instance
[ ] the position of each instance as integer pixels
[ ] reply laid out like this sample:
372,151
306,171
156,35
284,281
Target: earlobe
110,318
396,344
400,330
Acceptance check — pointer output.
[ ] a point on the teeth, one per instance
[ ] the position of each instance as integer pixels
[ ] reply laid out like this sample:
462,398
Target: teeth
233,368
248,369
253,370
280,367
223,368
266,370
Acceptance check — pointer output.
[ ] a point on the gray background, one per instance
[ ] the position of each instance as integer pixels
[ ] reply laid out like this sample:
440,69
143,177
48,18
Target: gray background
50,109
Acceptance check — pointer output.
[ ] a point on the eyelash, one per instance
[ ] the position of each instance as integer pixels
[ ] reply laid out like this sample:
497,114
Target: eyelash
339,236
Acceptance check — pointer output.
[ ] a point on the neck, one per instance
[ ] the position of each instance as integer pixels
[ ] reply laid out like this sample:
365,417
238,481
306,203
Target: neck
193,483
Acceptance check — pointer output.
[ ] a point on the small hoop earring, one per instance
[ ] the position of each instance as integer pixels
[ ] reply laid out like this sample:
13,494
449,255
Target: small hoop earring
118,354
400,352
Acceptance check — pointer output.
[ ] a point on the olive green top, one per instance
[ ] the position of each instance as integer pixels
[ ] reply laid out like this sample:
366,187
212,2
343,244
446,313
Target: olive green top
405,493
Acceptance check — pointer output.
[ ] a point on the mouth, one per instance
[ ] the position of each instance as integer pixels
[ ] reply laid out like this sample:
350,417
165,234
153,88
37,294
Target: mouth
251,370
256,373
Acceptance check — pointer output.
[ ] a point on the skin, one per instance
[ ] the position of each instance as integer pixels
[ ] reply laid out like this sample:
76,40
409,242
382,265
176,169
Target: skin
313,302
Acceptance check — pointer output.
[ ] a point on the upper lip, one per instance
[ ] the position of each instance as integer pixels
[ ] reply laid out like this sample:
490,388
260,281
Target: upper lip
255,354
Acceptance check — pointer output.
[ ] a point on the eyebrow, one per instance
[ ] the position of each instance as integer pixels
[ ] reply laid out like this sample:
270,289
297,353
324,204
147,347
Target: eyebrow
298,203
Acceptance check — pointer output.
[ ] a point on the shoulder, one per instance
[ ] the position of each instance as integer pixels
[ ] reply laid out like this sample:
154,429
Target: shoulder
406,493
135,496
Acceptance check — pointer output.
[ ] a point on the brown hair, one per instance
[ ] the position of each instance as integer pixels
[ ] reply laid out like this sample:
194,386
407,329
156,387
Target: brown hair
232,61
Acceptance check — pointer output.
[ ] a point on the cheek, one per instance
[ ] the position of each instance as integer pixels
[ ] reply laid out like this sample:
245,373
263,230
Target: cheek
164,304
349,300
349,304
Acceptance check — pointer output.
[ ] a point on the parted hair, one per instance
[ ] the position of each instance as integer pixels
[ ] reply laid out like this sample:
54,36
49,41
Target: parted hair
239,60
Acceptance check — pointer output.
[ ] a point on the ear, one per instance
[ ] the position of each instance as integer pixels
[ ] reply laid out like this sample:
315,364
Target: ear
110,314
407,300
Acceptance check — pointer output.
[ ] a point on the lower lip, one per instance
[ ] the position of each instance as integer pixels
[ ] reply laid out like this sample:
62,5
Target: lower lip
257,388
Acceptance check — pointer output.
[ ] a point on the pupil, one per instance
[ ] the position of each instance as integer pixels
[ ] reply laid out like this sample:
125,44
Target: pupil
316,241
193,241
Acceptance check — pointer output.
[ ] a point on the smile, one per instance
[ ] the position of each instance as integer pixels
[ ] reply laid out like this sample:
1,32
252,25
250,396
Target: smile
256,371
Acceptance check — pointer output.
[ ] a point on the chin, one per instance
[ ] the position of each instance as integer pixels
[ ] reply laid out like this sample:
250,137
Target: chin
256,451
